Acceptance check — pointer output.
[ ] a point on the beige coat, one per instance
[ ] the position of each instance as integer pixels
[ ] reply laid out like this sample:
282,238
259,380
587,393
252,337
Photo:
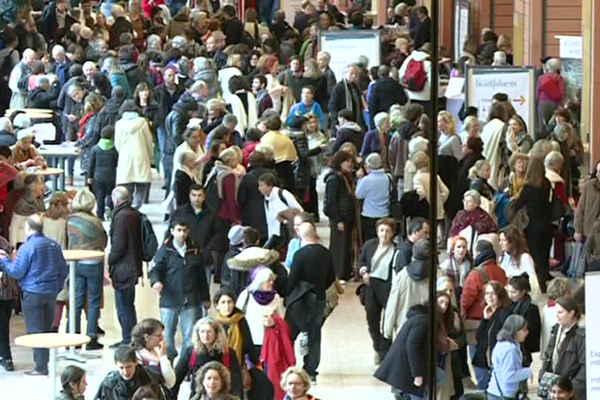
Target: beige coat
421,185
588,208
133,141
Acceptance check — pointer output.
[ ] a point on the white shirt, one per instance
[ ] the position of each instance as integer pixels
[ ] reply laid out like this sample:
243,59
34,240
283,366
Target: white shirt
254,314
274,205
509,265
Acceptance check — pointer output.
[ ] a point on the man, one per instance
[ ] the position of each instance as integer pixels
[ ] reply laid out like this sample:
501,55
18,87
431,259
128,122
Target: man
232,27
374,189
133,73
88,17
41,270
398,147
292,77
423,33
45,93
110,112
384,93
263,100
17,82
418,229
312,264
201,223
125,260
89,70
348,130
347,95
179,279
119,26
305,106
400,14
166,95
129,377
61,64
175,124
305,16
214,47
418,91
285,152
280,26
277,200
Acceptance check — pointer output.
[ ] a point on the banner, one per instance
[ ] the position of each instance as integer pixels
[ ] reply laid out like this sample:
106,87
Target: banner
346,46
592,344
518,83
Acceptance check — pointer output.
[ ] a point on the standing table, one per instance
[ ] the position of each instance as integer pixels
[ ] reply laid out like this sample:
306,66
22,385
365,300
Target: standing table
54,173
72,256
57,155
52,341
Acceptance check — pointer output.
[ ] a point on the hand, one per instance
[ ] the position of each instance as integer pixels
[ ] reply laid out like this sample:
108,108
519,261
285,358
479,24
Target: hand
453,344
268,321
418,381
89,181
340,226
488,312
158,287
578,236
161,349
366,278
206,305
72,118
360,173
3,254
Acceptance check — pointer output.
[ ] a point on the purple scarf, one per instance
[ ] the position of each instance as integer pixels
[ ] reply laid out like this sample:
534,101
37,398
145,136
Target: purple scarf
264,297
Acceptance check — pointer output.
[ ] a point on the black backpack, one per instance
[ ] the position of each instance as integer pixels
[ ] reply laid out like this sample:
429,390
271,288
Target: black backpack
212,192
148,238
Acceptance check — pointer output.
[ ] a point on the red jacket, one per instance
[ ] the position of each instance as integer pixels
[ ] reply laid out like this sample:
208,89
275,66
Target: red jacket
471,301
277,353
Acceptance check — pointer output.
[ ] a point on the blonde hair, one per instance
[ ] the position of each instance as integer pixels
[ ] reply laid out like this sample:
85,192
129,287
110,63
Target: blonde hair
223,373
300,372
504,43
420,159
84,201
474,170
470,120
93,103
59,206
215,104
449,120
220,344
227,155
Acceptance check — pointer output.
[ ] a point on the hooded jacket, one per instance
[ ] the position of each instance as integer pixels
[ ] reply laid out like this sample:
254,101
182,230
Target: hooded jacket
41,98
133,73
176,123
349,132
114,387
133,141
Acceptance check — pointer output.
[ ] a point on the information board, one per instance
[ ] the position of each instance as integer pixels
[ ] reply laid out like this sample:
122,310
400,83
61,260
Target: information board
592,344
347,46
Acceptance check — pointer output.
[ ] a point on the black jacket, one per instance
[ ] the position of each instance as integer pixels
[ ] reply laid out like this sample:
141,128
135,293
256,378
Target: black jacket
337,101
251,201
133,73
384,93
404,256
7,139
405,360
349,132
368,251
102,166
202,228
339,203
40,98
423,34
183,279
464,165
175,125
234,31
571,356
109,115
125,257
166,101
486,336
483,187
114,387
302,164
530,311
181,186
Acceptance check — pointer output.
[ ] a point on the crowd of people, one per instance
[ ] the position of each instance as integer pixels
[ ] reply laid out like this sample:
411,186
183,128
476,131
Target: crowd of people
242,119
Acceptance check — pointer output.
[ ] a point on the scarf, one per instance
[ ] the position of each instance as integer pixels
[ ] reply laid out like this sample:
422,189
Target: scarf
484,256
188,172
516,184
356,228
560,337
106,144
264,297
83,122
520,307
234,333
351,100
223,171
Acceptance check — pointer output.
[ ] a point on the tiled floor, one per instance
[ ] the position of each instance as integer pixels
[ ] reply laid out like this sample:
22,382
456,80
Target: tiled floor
347,359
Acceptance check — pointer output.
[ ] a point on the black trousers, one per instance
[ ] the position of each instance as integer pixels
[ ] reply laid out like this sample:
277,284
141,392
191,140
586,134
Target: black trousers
6,307
103,192
539,239
368,228
376,297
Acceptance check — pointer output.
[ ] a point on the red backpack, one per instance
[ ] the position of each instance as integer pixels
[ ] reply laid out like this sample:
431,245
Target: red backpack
415,76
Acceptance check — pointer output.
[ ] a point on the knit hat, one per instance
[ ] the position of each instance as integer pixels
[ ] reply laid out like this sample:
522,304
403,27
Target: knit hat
421,250
236,235
373,161
485,252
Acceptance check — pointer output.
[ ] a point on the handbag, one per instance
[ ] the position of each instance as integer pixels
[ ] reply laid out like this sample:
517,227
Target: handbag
547,380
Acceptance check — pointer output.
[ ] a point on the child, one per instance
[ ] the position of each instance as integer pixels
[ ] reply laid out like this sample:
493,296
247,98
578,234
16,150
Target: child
102,169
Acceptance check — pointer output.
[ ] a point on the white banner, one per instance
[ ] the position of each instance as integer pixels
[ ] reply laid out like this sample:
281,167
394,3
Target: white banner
346,47
570,46
592,344
517,83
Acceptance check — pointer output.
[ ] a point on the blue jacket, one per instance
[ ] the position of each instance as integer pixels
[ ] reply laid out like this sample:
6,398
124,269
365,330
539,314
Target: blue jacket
39,266
375,190
300,109
508,369
371,143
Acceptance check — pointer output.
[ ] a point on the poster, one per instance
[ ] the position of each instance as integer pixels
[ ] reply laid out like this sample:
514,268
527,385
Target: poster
461,26
517,82
592,344
345,47
571,53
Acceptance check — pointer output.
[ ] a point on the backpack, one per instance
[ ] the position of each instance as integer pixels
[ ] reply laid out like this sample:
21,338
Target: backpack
395,205
415,76
148,238
212,192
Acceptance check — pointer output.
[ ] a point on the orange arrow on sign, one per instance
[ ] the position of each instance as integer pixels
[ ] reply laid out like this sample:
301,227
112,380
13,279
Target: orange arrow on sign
521,100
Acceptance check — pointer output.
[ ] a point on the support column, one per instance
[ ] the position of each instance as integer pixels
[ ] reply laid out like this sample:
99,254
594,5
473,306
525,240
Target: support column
593,54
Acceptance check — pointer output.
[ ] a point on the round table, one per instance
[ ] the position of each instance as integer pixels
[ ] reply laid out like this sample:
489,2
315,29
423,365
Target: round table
54,173
72,256
52,341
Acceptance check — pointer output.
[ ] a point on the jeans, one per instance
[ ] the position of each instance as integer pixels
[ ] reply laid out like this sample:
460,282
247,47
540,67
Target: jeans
103,191
138,191
71,166
38,311
168,170
88,278
6,307
482,375
187,317
125,303
313,358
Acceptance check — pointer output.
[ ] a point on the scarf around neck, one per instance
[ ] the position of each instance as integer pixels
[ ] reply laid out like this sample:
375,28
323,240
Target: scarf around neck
264,297
234,332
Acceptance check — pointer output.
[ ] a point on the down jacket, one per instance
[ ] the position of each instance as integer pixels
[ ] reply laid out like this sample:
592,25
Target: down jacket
339,203
176,123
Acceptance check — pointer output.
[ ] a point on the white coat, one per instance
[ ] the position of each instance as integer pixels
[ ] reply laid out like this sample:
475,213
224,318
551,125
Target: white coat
133,141
274,205
421,185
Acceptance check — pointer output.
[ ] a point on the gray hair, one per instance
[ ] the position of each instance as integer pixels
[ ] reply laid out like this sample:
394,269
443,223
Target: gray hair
73,88
554,160
512,325
42,81
439,283
230,119
35,223
186,155
58,49
121,193
84,201
380,118
474,194
499,58
553,65
5,124
326,54
154,42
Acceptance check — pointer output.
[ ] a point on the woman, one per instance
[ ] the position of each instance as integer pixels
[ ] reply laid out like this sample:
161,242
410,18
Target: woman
145,101
376,260
85,232
133,141
472,215
497,309
422,187
242,102
478,176
507,359
214,383
588,207
209,343
216,109
73,382
535,195
522,304
565,352
151,350
313,76
251,69
341,207
451,337
513,183
448,143
31,202
317,145
470,129
102,29
194,140
557,288
9,295
259,301
492,137
458,265
184,178
472,153
269,67
296,384
518,139
139,22
24,153
88,135
233,68
515,259
550,93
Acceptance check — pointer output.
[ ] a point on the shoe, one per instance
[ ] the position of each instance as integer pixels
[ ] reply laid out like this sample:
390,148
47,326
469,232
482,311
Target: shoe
302,344
69,181
100,331
115,345
7,364
36,373
376,359
94,345
313,381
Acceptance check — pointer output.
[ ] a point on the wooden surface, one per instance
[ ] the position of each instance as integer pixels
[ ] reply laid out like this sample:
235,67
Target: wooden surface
52,340
80,255
49,171
31,111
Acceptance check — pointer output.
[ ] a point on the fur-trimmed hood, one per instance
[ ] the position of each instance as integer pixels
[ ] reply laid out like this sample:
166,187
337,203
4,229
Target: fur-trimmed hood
252,257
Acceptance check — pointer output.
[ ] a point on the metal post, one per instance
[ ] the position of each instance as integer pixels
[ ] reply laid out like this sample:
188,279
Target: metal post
52,372
433,140
71,354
